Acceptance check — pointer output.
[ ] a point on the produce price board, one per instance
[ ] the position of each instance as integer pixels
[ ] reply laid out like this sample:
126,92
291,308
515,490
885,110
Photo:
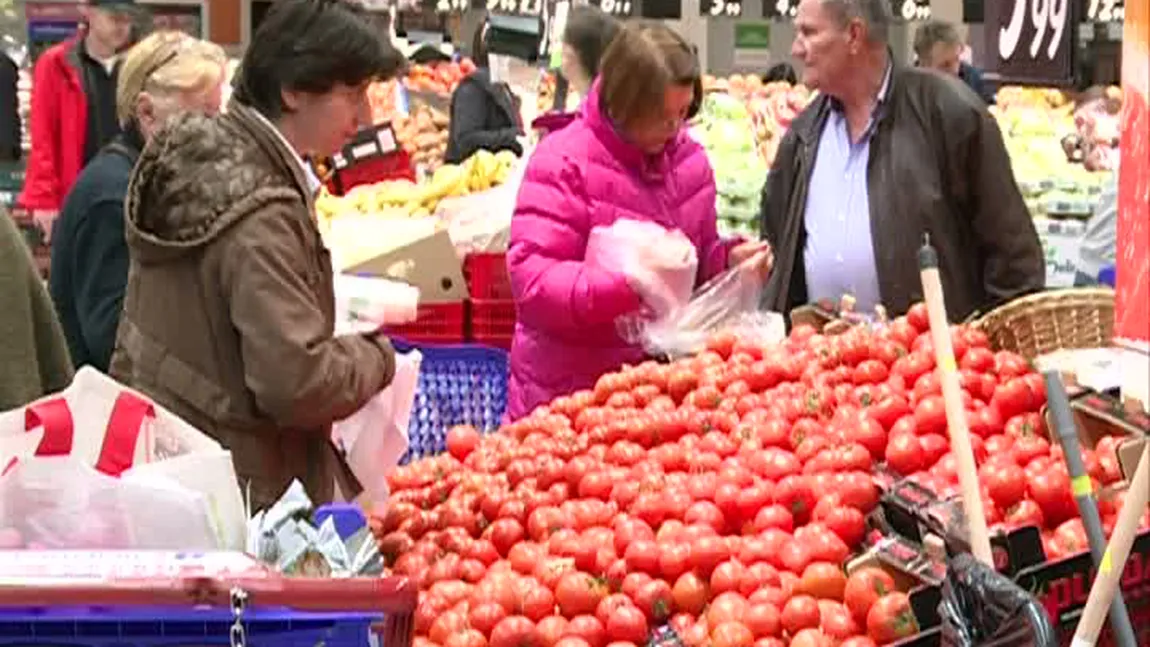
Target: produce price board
451,6
618,8
906,10
1032,41
719,8
512,7
1106,10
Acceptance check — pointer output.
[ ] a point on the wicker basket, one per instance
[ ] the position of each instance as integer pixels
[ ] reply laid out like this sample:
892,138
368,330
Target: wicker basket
1052,320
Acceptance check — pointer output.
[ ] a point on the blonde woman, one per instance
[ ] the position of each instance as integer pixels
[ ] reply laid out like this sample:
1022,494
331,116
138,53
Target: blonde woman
166,74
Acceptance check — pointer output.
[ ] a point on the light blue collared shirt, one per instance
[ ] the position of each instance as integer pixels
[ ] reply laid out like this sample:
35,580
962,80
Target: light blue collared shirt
839,254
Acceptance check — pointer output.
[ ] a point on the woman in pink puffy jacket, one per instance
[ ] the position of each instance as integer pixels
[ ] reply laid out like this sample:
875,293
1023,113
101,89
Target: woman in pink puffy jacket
627,156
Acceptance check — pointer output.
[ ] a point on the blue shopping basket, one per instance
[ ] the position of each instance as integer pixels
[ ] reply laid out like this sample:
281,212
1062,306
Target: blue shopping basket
458,385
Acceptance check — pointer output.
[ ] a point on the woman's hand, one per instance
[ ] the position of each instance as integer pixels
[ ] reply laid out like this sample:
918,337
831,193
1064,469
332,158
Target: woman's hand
743,252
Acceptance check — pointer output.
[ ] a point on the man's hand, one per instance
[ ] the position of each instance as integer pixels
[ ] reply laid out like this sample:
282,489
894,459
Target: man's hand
745,251
44,220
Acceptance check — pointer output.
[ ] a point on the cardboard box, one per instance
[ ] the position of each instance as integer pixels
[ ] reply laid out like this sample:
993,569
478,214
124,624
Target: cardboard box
413,251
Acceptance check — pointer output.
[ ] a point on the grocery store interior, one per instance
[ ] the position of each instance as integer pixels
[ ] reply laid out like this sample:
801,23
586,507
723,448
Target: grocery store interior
508,408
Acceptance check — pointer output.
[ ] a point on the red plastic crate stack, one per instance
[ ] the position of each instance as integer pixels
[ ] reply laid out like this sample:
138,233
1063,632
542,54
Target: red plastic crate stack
492,317
435,323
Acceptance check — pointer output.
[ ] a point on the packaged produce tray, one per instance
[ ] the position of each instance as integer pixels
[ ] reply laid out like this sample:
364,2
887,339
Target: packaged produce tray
458,385
152,598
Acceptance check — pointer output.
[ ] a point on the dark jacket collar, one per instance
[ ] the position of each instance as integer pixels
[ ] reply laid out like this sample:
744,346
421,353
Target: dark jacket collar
808,126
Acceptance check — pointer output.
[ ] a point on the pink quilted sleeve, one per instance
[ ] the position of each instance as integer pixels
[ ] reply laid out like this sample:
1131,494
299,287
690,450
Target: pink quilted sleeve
554,289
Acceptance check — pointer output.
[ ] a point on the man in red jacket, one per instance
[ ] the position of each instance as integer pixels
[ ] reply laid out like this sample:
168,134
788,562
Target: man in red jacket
73,106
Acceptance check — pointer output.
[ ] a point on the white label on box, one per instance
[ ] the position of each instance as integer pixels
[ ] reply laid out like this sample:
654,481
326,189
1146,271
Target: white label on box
364,150
1061,245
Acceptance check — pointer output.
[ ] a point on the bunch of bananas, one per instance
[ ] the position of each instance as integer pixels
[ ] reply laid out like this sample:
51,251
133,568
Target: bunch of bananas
404,199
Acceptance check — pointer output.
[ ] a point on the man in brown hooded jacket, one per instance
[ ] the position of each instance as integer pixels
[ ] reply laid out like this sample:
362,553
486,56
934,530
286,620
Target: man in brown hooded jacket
229,311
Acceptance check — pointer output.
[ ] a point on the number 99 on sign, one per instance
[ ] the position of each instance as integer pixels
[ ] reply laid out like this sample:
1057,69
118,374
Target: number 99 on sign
1046,17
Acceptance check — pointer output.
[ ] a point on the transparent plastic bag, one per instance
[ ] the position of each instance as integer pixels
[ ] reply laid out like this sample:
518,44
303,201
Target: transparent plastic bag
729,302
660,264
59,502
983,608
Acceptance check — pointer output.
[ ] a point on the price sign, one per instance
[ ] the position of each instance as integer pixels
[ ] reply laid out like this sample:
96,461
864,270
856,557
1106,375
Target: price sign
452,6
911,10
1106,11
719,8
618,8
1033,40
781,9
517,7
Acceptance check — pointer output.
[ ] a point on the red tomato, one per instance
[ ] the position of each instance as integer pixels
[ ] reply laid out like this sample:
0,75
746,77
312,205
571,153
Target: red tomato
578,593
690,593
904,454
626,623
764,620
891,619
732,634
655,600
823,580
728,607
930,415
800,612
1050,489
1012,397
864,587
462,440
1005,482
515,631
587,628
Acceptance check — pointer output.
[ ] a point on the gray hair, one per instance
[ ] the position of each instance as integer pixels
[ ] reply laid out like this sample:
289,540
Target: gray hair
875,14
932,33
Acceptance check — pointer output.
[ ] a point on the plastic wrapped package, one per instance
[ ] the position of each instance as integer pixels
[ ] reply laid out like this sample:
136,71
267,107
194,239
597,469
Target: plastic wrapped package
660,264
481,222
983,608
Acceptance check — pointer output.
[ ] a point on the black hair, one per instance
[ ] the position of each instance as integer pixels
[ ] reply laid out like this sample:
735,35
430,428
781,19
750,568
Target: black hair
589,31
311,46
479,45
781,72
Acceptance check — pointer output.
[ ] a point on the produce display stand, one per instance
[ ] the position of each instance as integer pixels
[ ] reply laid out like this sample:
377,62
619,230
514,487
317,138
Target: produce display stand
133,599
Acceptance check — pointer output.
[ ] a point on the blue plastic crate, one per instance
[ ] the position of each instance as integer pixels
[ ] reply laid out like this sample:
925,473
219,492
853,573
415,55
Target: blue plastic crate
181,627
458,385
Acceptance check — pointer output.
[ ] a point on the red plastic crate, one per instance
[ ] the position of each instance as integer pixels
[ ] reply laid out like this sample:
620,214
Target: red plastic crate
493,322
487,277
435,323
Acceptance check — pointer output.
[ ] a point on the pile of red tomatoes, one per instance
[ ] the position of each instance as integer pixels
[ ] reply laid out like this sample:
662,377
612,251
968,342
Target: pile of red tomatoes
721,494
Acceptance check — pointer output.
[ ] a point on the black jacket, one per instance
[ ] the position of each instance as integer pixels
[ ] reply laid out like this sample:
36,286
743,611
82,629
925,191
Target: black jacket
9,109
484,116
972,77
937,165
90,256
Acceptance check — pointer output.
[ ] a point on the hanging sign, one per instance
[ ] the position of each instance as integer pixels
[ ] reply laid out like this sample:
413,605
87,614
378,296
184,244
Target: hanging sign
531,8
617,8
1106,10
1033,40
781,9
452,6
719,8
911,10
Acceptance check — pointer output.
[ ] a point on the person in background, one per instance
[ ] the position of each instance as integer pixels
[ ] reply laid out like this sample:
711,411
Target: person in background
229,310
10,132
1100,237
587,34
484,111
883,156
164,75
627,156
781,72
938,46
34,356
73,111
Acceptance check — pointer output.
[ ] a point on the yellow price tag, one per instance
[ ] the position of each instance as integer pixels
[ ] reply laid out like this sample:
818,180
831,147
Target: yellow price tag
948,364
1081,485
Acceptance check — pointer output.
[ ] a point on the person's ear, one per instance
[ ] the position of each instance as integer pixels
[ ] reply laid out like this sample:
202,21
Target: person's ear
145,112
291,100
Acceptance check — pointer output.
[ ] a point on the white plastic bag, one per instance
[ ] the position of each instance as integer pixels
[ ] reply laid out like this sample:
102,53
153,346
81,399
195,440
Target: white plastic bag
58,502
364,303
374,438
480,222
102,424
660,264
728,302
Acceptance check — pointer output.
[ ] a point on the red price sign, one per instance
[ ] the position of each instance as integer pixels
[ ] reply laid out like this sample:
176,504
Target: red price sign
1033,40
